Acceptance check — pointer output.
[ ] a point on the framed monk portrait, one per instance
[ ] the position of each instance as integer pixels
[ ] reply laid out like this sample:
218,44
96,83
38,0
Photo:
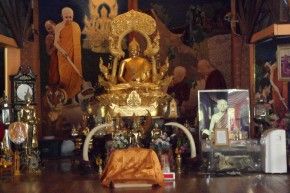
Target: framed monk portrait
220,110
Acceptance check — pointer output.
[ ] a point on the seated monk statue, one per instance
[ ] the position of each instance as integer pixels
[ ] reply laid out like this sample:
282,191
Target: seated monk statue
135,68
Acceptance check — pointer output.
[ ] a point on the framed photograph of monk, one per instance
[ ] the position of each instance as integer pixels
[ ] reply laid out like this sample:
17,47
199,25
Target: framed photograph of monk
283,59
224,110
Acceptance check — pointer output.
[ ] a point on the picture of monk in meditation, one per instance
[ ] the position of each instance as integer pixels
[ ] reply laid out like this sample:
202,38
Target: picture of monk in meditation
68,44
135,68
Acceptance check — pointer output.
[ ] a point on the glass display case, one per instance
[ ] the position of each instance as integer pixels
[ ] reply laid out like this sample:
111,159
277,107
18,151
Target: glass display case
238,156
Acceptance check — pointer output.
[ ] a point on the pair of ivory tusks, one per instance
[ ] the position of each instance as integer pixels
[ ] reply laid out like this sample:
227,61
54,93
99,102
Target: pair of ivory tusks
103,126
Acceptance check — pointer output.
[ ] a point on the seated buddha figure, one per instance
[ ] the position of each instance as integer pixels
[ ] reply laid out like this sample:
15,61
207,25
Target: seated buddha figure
134,84
135,68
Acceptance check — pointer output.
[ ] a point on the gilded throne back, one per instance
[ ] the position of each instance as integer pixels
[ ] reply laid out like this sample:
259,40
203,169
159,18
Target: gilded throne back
134,85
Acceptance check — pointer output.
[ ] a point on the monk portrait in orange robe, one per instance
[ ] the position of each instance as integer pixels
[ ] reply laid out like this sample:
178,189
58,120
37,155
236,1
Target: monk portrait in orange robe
67,41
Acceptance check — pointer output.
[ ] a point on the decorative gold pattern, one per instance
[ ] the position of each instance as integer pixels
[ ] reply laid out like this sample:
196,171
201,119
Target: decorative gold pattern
133,99
133,21
144,93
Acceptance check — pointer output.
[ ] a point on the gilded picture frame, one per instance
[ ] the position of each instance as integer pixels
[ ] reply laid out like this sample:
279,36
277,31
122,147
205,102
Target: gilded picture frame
221,137
283,61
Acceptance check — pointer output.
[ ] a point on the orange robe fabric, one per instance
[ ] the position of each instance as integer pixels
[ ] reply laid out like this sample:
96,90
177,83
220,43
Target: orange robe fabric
69,40
135,68
136,165
53,74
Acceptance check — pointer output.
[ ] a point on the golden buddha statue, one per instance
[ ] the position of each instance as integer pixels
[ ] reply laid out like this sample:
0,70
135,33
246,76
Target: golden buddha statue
27,114
134,85
135,68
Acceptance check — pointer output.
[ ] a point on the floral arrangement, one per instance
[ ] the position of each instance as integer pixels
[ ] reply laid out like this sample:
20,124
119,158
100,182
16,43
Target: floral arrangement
181,147
273,121
161,143
180,141
120,141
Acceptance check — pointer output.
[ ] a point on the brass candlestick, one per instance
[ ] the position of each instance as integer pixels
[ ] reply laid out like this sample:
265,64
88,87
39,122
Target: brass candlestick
99,163
16,163
178,160
17,134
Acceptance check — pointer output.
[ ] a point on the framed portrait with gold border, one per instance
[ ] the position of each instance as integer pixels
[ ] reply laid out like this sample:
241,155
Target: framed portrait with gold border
221,137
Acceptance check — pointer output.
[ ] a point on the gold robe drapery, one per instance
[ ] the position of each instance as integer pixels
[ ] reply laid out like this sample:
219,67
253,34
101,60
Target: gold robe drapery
135,165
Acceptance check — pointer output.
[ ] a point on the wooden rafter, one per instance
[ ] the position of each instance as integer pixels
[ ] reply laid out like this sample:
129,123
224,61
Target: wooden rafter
18,15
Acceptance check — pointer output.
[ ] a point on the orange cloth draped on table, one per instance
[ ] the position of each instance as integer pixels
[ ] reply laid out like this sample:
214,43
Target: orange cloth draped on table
135,165
69,40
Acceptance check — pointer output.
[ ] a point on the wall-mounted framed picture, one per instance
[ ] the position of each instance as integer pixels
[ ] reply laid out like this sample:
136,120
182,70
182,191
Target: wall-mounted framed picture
221,137
283,60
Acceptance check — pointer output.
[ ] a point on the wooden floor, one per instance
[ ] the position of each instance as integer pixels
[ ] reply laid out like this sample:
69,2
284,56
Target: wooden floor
60,177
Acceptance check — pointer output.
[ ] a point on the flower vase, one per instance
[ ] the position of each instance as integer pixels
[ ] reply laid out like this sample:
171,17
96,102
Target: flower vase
178,161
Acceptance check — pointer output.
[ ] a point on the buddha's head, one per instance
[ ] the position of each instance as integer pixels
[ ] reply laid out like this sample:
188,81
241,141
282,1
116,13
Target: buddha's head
67,15
134,48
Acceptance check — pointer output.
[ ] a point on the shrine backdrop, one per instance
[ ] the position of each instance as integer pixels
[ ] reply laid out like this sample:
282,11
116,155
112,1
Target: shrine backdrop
189,30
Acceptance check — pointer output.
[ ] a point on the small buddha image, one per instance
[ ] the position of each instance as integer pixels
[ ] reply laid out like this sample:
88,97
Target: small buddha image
137,132
156,132
173,109
28,112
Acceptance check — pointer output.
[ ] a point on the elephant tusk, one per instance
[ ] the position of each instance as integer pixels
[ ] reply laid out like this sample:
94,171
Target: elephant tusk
188,135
